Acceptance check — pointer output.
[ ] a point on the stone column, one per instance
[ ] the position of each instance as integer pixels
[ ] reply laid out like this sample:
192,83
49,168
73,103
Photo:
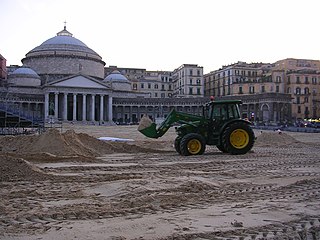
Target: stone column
65,107
92,106
84,107
74,106
110,109
101,108
130,113
46,106
56,102
138,113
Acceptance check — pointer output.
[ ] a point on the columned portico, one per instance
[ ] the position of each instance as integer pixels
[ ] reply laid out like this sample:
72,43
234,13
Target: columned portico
78,107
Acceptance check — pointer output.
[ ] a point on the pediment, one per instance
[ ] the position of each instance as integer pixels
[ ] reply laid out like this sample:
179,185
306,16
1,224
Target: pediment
79,82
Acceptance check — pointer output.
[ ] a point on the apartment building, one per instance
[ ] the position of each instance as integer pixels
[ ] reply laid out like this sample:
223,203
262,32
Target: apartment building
3,67
188,81
260,88
296,80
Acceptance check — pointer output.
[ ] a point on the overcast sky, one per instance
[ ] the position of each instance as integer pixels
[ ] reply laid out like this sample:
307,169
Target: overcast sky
164,34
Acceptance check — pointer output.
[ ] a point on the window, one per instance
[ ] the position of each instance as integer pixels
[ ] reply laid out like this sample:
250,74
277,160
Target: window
142,85
149,85
278,79
288,80
314,80
298,90
190,91
162,87
288,90
306,91
306,80
306,99
156,86
240,90
198,81
134,86
299,109
190,72
163,95
298,79
199,91
190,81
198,72
263,89
251,89
298,100
155,94
277,89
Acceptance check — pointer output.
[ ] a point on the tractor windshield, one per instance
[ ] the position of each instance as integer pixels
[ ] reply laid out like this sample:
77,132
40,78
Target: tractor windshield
224,112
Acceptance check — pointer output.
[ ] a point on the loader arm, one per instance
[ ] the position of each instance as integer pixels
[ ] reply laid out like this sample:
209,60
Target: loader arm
152,131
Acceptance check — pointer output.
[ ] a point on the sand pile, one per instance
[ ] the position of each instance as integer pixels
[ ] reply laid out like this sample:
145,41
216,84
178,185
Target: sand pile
276,139
13,169
52,142
144,122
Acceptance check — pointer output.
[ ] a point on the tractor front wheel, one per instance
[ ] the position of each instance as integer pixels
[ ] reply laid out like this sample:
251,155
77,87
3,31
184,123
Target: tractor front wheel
238,138
192,144
177,144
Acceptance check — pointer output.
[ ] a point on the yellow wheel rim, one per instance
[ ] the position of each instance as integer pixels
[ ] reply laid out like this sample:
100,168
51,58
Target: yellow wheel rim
194,146
239,138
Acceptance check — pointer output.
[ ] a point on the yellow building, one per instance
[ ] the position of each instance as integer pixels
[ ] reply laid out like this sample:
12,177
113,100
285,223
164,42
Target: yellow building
296,80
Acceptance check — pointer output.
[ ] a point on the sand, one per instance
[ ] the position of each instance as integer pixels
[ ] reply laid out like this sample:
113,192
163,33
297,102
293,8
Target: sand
67,184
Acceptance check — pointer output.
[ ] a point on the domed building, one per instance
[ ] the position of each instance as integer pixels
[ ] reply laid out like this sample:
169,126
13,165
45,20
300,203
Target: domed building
64,55
63,80
118,82
24,77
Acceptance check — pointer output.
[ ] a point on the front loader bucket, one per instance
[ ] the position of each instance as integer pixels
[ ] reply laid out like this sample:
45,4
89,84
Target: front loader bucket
148,128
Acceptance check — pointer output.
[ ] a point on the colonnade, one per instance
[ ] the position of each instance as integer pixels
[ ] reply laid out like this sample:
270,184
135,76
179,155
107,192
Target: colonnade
133,114
77,107
266,112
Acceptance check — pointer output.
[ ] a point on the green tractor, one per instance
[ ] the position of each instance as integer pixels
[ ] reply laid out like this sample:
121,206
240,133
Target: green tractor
219,125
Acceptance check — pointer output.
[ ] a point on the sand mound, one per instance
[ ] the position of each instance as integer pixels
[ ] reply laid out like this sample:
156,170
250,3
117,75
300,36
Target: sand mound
53,142
144,122
13,169
274,139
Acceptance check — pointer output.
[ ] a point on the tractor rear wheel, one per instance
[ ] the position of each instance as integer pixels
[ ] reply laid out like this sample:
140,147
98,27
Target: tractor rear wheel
177,144
238,138
192,144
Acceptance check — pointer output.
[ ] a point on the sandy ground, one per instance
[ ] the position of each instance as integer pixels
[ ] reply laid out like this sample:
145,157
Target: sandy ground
69,185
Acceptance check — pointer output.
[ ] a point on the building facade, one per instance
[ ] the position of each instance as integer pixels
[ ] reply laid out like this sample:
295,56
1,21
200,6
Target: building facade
63,79
188,81
295,80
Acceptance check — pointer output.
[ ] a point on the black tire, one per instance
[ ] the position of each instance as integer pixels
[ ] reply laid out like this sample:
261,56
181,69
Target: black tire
238,138
192,144
177,144
221,148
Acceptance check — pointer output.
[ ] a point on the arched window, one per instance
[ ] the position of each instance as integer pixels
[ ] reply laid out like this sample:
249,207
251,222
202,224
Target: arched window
298,90
306,90
288,90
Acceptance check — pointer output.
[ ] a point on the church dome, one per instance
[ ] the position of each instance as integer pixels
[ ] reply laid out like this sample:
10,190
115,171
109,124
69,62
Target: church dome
115,76
24,76
118,81
62,56
27,72
64,41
